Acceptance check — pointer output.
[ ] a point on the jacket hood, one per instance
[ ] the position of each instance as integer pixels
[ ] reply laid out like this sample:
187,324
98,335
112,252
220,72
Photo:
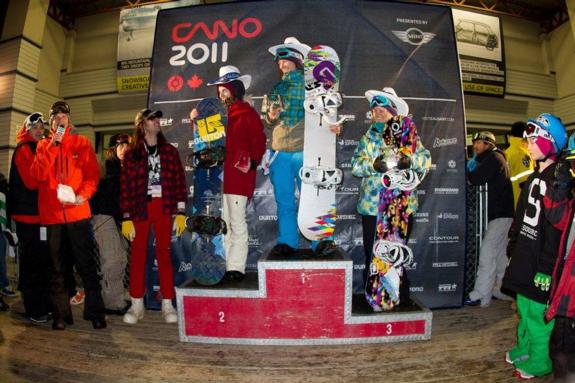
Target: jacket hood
23,136
238,108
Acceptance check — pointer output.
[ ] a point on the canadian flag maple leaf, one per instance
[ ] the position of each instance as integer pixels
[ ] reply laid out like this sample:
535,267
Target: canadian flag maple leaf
195,81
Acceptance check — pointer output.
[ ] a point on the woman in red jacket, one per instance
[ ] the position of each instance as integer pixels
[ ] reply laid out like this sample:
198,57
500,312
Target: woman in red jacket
245,146
153,189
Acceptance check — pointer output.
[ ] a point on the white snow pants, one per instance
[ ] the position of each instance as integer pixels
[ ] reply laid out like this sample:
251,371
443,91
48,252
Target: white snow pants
236,240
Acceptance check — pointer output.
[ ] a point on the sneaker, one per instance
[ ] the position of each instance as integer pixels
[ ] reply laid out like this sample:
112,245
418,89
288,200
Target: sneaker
78,299
472,302
39,318
326,249
234,275
11,237
521,358
7,292
518,373
281,249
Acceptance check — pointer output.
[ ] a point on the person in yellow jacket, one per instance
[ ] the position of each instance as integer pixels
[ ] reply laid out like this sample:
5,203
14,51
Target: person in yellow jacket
520,163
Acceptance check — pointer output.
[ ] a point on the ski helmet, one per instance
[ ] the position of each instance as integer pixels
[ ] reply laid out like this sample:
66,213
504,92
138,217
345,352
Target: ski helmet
548,127
484,136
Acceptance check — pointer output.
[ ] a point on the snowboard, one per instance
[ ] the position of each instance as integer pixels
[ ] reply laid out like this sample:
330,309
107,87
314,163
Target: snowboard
206,225
390,253
320,177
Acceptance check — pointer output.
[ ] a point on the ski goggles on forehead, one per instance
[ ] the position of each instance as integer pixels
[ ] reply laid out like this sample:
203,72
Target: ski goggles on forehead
482,137
534,130
33,119
379,101
60,107
286,53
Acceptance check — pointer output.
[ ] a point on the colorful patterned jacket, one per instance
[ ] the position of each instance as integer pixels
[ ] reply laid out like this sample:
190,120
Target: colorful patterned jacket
562,296
370,146
288,130
134,181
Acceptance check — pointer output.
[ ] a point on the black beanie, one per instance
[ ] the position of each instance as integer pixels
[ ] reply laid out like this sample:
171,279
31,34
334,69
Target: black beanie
517,129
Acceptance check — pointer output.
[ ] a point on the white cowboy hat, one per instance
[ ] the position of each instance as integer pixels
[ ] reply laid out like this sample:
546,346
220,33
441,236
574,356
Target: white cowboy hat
292,44
229,73
397,103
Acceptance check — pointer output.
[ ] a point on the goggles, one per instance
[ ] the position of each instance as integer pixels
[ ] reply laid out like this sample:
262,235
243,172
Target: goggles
534,130
33,119
286,53
379,101
482,137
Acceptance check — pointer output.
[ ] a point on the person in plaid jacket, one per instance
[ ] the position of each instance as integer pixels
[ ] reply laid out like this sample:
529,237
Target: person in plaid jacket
286,120
153,189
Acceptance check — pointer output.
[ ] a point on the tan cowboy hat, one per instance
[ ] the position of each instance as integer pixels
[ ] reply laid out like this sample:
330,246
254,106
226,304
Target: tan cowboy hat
229,73
397,103
292,44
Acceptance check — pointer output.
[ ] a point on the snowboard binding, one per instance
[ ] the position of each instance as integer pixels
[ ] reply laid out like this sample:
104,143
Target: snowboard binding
393,253
321,177
209,157
400,179
325,104
205,224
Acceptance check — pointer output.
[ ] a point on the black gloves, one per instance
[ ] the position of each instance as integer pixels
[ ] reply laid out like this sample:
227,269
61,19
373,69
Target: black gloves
563,181
379,164
404,162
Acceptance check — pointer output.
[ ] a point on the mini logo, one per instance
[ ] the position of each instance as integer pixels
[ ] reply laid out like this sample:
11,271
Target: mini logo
414,36
411,266
343,142
452,164
447,287
358,242
446,190
185,266
254,241
412,241
263,192
345,165
433,167
416,289
422,217
342,217
439,142
526,161
421,192
348,190
443,239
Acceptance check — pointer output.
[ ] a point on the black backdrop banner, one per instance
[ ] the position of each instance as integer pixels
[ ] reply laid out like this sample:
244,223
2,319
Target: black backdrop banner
410,47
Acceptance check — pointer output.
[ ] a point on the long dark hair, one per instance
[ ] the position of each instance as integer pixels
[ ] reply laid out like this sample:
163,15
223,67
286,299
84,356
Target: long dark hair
138,139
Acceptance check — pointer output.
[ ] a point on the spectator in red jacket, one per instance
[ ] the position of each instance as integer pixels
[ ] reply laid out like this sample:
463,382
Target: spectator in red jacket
153,189
34,259
67,172
245,146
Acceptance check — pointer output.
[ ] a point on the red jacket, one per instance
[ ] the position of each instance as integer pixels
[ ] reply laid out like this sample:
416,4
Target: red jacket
23,191
562,301
72,163
244,133
134,181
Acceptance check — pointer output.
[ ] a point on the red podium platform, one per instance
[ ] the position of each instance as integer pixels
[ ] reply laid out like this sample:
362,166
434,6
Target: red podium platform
293,301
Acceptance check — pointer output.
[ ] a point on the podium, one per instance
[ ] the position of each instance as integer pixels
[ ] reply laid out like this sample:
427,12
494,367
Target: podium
297,300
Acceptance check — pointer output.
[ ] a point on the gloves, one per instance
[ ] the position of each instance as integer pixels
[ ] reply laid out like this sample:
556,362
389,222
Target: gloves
543,281
472,163
128,230
253,164
404,162
563,181
380,165
179,224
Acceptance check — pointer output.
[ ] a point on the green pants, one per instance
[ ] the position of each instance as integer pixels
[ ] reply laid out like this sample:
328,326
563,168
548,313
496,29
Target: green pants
533,335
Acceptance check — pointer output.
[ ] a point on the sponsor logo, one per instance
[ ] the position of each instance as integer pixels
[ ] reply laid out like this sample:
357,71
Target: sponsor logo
416,289
343,142
358,267
412,241
432,118
440,142
448,216
452,164
345,165
185,266
342,217
444,264
348,190
166,121
422,217
446,191
190,144
443,239
248,28
421,192
433,167
447,287
263,192
254,241
358,242
186,120
414,36
267,218
526,161
412,266
175,144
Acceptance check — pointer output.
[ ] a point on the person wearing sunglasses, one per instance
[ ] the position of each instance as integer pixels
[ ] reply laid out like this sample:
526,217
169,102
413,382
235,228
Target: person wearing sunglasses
391,142
489,166
67,172
106,220
153,194
34,259
285,119
533,248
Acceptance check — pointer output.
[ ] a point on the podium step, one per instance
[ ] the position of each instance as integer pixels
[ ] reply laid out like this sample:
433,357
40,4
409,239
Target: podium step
294,301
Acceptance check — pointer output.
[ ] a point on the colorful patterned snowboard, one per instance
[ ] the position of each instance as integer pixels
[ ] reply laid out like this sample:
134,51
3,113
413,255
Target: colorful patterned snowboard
207,251
320,177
